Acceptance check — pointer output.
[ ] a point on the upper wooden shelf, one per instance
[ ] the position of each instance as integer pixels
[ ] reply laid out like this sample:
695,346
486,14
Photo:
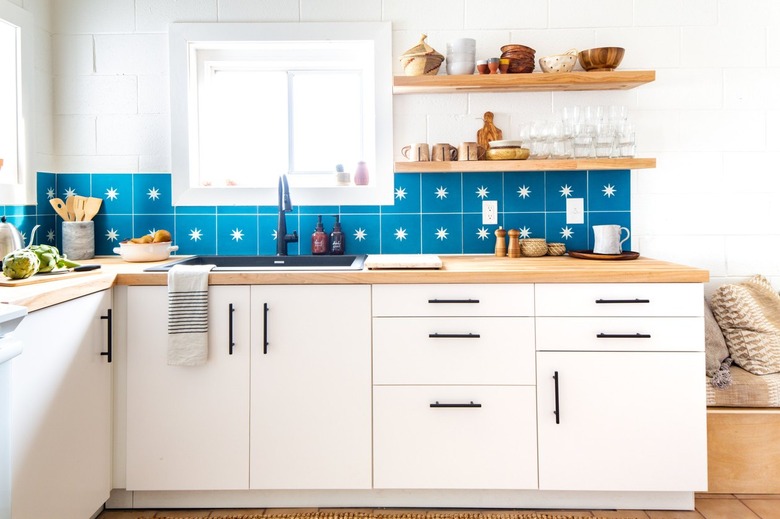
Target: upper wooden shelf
471,166
534,82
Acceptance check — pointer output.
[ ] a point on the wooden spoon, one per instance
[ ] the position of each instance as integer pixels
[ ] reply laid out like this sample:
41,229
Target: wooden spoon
92,207
69,205
59,206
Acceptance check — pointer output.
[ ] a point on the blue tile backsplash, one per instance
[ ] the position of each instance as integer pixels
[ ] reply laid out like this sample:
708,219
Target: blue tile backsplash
439,213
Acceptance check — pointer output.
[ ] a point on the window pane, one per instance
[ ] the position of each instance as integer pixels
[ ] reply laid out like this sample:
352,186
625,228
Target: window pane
8,103
327,114
243,128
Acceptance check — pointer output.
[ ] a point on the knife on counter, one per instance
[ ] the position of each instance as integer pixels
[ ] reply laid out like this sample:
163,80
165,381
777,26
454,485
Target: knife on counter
80,268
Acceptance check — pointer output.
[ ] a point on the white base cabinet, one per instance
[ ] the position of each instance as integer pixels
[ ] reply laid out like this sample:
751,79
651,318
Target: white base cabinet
61,411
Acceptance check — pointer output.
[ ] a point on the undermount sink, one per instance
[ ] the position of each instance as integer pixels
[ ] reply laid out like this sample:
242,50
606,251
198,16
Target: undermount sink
255,263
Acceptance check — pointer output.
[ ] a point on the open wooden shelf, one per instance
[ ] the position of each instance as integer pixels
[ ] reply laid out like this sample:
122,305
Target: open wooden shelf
472,166
534,82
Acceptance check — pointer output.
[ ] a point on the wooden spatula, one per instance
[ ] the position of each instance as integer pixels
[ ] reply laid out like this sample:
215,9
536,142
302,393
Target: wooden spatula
78,207
92,207
70,206
59,206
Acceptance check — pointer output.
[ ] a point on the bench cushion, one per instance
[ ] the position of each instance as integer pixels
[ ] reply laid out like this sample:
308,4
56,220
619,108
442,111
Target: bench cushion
746,390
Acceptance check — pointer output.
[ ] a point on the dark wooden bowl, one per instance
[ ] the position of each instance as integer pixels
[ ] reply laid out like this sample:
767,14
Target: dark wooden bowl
601,58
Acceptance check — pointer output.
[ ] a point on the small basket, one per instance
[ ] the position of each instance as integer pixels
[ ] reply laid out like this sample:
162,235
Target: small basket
556,249
421,60
533,247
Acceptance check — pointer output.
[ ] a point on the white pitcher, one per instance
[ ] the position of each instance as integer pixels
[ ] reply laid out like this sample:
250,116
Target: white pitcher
608,239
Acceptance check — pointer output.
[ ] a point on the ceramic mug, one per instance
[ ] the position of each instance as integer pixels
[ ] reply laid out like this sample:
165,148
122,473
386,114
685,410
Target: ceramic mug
607,239
470,151
418,152
444,152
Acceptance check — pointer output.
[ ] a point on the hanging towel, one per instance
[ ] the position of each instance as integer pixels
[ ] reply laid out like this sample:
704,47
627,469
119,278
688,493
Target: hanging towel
188,314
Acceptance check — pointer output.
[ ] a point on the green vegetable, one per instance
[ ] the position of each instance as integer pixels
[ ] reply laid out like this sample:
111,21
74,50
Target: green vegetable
20,264
50,258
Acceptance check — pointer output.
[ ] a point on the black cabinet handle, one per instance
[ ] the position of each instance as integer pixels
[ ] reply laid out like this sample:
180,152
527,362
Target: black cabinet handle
557,411
109,353
231,343
453,301
620,301
622,335
265,328
453,336
470,404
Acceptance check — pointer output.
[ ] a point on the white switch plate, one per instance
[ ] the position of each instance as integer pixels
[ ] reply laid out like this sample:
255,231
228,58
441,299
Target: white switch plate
575,210
489,212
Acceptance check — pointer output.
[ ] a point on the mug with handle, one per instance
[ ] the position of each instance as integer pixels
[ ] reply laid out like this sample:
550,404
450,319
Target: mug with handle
444,152
607,239
471,151
417,152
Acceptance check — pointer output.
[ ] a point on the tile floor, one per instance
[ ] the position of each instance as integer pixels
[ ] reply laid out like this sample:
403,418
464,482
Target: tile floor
708,506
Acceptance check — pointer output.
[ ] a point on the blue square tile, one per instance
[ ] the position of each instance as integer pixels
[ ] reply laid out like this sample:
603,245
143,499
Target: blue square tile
237,235
442,233
574,236
46,189
47,232
362,234
441,193
196,234
609,190
530,225
110,229
622,219
478,187
73,184
560,185
116,191
152,193
406,194
151,223
400,234
21,210
266,234
524,192
478,238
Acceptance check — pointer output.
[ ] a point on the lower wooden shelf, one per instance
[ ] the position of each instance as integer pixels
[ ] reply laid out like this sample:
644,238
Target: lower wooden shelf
474,166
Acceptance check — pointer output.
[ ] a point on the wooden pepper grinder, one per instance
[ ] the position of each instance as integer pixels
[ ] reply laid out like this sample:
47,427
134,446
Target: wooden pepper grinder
500,242
514,243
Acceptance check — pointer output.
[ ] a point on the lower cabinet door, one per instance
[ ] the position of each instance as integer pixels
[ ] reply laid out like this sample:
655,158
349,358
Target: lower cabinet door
632,421
457,437
187,426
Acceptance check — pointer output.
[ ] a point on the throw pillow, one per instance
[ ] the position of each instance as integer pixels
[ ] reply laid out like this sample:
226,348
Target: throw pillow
715,348
749,316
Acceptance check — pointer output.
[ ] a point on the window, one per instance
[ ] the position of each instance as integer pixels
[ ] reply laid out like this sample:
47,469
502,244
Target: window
266,99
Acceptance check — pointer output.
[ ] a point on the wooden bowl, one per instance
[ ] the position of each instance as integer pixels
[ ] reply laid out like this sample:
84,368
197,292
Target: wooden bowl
601,58
508,153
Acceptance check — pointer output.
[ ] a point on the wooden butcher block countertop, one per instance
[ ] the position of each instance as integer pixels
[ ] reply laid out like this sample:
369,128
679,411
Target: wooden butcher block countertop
455,269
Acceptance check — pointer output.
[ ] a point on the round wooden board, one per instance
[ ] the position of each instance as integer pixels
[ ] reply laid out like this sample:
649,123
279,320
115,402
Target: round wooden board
589,254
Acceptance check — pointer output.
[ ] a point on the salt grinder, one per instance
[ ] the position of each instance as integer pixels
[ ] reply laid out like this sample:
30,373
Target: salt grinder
514,243
500,242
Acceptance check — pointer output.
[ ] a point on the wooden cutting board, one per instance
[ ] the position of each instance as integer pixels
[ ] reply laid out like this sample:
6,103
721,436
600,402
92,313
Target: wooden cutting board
402,261
43,278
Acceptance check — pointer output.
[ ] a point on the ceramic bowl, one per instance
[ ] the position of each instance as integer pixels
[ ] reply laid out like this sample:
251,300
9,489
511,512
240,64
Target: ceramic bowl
507,153
559,62
139,252
601,58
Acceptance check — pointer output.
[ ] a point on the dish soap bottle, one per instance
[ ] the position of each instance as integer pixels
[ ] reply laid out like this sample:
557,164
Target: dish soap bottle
319,240
337,238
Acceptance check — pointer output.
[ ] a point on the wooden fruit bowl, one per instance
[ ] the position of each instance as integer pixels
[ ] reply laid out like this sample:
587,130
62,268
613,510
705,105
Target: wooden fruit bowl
601,58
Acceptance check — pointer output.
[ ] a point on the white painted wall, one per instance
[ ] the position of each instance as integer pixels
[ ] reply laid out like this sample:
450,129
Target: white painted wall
712,118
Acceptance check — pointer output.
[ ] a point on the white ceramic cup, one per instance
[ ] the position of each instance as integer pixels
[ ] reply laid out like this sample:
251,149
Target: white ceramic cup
417,152
607,239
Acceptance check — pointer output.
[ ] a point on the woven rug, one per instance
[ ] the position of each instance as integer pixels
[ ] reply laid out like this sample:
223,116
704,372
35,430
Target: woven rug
399,515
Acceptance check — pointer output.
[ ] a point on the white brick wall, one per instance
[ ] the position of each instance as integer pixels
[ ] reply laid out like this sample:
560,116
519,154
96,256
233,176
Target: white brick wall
711,118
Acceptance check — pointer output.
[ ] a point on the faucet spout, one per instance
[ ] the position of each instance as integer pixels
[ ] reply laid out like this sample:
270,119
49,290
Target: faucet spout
285,206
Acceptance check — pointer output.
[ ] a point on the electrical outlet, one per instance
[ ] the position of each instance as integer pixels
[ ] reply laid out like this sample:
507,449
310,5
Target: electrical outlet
489,212
575,210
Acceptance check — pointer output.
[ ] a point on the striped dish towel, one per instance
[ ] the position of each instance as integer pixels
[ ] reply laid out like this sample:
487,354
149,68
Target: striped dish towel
188,314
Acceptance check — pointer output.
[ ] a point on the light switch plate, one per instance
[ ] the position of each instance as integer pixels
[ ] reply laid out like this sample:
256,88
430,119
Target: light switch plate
575,210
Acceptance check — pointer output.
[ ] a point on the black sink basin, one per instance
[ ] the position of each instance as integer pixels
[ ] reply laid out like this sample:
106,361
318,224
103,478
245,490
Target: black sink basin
251,263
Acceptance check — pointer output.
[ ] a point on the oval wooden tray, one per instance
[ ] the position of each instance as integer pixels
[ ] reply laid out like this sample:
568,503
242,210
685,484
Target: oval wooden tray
589,254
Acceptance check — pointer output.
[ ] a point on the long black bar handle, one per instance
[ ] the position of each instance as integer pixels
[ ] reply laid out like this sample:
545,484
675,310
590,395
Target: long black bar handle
455,301
109,353
453,335
622,335
470,404
557,403
620,301
231,343
265,328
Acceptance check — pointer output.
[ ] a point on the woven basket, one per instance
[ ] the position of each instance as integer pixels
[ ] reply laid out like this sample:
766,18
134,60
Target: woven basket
533,247
421,60
556,249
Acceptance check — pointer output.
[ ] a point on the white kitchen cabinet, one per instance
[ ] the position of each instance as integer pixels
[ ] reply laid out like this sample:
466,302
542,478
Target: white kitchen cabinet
187,426
311,387
61,411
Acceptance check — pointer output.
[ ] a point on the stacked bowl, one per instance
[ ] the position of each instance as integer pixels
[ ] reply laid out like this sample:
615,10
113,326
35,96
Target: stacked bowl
461,56
521,58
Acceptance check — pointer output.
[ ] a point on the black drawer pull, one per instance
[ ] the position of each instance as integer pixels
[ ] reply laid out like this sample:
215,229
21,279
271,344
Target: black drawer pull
265,328
620,301
557,411
470,404
622,335
109,353
453,335
456,301
231,342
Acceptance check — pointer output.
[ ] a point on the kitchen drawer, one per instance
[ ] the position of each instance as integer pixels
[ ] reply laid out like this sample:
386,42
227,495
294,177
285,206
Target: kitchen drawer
453,300
449,350
487,447
620,333
620,299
